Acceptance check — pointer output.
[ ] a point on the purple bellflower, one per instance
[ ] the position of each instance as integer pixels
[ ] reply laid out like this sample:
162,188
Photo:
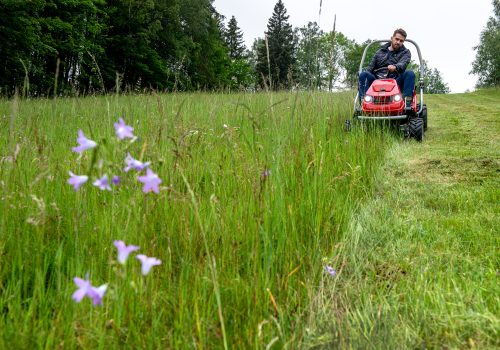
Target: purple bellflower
77,180
102,183
147,263
330,270
124,250
84,143
116,180
85,289
266,173
134,164
123,131
151,182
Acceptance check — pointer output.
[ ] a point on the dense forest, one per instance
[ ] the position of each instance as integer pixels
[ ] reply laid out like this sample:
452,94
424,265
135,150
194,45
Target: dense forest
74,47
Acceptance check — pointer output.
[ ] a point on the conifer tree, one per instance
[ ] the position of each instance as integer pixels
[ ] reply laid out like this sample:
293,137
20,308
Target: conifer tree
281,49
234,40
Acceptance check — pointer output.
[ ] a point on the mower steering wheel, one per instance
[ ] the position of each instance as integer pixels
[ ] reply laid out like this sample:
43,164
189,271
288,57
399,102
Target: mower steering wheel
385,68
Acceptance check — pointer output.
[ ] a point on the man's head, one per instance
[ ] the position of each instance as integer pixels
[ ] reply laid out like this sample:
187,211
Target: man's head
398,38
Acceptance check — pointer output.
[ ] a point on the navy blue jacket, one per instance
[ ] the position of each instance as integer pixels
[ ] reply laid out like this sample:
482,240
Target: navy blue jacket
384,57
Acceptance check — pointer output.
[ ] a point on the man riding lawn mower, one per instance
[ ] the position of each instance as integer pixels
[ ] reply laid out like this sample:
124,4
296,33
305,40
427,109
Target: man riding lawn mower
387,89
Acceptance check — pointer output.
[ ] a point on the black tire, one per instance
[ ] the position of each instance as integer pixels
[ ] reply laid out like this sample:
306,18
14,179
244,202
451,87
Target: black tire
423,115
416,128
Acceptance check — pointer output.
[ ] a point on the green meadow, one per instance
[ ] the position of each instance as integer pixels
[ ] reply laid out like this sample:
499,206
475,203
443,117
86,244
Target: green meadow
260,192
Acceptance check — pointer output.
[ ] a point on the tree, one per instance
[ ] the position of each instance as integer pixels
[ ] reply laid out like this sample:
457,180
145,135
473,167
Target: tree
320,57
234,40
19,35
309,70
258,45
132,28
487,62
433,81
207,59
70,32
41,37
280,50
353,55
239,71
334,59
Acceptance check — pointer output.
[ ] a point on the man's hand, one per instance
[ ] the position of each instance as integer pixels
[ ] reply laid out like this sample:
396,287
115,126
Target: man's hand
391,68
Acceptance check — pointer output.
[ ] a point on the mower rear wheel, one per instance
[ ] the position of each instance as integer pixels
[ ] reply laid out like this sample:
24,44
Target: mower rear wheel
416,128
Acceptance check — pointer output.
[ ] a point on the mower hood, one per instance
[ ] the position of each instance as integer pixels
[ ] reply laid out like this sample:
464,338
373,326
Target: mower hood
383,85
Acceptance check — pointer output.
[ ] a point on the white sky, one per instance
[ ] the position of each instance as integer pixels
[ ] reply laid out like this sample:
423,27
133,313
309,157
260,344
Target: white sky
445,30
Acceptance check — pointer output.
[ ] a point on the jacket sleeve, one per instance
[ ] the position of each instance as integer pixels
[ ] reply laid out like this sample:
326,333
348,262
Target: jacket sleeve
372,64
403,61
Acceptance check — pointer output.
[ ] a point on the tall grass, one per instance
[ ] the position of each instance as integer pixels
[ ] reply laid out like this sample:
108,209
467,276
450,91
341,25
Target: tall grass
257,191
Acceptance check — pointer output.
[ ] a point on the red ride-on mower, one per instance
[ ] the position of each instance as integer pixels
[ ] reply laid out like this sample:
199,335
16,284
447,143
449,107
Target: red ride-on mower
384,101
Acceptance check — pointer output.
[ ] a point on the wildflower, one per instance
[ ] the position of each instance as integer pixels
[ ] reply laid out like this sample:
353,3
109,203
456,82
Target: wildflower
134,164
330,270
122,130
116,180
102,183
147,263
124,250
151,182
84,143
265,173
77,180
85,289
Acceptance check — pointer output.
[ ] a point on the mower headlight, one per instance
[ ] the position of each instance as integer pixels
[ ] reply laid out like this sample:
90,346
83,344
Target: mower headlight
368,98
397,98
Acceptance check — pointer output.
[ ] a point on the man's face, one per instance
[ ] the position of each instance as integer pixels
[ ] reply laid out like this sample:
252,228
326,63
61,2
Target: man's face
397,41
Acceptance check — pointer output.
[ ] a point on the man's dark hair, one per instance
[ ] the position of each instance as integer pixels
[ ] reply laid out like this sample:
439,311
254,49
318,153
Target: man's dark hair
400,31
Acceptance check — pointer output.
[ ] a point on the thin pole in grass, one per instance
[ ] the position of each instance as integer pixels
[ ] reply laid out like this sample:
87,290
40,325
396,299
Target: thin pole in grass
268,63
101,80
269,74
317,78
13,114
56,77
213,268
26,84
332,55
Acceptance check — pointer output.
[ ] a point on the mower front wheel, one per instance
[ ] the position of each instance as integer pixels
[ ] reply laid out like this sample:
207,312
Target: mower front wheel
416,128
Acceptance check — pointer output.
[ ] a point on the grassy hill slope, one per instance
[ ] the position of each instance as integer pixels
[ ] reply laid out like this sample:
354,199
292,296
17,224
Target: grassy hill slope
419,267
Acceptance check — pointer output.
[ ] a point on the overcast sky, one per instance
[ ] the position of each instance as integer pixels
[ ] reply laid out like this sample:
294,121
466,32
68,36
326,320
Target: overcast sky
445,30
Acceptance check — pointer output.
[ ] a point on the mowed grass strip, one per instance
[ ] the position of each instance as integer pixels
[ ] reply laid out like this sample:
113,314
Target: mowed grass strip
420,266
274,180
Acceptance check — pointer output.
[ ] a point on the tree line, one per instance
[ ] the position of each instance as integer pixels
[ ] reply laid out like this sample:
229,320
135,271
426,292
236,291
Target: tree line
487,63
71,47
78,46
